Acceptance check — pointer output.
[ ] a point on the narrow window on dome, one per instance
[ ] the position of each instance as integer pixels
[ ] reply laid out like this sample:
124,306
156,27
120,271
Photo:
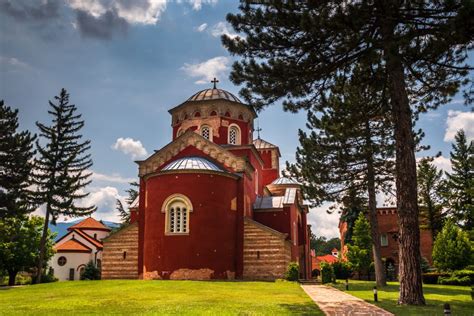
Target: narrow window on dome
206,132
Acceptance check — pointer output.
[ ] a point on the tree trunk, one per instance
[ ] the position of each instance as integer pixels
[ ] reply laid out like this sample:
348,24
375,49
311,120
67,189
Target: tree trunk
411,287
374,226
42,249
12,277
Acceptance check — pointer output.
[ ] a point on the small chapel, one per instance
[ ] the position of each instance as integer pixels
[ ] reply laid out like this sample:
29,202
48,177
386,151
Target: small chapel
211,203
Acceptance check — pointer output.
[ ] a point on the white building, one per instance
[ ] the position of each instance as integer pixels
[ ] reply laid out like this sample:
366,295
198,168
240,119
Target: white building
74,250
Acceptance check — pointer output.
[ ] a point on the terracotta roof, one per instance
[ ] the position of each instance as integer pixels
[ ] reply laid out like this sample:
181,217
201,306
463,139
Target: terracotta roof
90,223
72,245
96,243
327,258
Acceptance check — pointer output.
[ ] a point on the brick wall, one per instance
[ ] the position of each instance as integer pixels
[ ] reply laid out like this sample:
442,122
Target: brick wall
267,253
120,254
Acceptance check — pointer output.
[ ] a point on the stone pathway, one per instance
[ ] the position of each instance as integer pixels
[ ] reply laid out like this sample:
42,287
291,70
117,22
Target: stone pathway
337,303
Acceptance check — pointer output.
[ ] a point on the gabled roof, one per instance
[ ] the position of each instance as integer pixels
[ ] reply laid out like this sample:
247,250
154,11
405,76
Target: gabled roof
89,223
93,241
327,258
72,245
263,144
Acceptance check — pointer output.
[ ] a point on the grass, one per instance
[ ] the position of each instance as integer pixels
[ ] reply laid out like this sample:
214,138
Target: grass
157,298
459,297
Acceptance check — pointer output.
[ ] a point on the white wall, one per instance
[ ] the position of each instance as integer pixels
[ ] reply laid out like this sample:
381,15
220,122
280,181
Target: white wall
74,261
100,233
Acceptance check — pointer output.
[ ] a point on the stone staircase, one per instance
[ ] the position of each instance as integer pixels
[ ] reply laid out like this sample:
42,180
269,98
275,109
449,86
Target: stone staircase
267,253
120,254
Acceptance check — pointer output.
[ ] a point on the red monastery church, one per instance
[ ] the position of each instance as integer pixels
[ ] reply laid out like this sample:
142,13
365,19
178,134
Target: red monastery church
211,203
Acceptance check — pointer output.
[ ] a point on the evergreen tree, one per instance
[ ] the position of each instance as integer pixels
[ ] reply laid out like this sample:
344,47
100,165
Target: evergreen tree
359,254
61,167
125,213
322,246
16,155
452,249
295,50
430,186
352,206
353,146
19,242
460,183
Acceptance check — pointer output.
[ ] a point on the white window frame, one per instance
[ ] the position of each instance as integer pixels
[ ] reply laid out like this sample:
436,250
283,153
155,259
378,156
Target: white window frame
177,209
238,136
201,130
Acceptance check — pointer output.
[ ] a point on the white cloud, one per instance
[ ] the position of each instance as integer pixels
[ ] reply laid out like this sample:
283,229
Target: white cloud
13,62
459,120
197,4
222,28
443,163
134,12
201,27
115,178
322,223
214,67
131,147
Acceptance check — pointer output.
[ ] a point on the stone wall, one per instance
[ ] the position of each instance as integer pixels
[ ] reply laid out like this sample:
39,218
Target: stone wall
120,254
267,253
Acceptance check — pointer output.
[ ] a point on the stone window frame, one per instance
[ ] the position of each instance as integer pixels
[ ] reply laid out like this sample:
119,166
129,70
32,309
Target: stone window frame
166,208
238,136
201,131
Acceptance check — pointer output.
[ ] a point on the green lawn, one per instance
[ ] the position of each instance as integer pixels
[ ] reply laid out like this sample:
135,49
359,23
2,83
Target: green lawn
459,297
158,297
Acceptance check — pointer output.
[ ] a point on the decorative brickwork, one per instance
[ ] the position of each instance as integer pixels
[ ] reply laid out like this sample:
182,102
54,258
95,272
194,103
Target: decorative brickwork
267,253
120,256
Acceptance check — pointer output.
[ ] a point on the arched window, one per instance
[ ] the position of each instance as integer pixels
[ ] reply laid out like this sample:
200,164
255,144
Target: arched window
234,135
197,114
206,132
213,113
177,208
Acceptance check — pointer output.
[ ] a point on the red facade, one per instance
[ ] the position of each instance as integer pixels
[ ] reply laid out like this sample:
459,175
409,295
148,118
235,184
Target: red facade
196,192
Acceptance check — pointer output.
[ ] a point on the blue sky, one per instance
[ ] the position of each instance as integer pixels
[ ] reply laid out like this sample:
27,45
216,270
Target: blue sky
125,63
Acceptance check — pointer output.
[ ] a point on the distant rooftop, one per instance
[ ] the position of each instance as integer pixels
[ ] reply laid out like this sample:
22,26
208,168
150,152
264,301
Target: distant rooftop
90,223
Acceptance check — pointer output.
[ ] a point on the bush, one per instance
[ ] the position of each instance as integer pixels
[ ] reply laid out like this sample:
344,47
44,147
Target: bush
432,277
453,280
425,265
91,272
327,273
49,277
292,272
464,273
342,270
470,267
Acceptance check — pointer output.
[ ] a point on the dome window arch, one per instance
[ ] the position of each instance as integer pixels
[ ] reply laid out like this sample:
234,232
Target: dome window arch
227,114
206,132
177,208
213,113
234,135
197,114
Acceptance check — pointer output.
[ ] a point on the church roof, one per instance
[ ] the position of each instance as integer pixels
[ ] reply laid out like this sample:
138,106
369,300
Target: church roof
192,163
263,144
284,180
213,94
89,223
72,245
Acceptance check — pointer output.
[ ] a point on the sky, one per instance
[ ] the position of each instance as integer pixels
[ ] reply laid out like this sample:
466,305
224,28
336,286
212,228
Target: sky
126,62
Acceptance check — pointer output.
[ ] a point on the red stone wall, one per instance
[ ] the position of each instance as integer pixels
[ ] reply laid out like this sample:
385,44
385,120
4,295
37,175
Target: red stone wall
209,251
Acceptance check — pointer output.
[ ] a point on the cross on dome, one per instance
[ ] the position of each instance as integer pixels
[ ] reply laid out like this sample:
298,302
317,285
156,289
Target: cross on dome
214,82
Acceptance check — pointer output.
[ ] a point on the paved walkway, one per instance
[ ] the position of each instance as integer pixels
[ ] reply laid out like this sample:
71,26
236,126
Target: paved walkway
337,303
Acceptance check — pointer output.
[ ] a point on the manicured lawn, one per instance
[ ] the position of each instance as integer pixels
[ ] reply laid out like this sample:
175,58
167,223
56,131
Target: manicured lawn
158,297
459,297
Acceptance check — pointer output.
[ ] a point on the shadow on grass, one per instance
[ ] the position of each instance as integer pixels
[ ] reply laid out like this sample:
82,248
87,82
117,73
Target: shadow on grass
302,309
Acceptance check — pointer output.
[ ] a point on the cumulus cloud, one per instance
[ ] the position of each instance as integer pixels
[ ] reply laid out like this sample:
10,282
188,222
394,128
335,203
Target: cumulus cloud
131,147
30,10
197,4
114,178
443,163
222,28
205,71
201,27
102,27
459,120
322,223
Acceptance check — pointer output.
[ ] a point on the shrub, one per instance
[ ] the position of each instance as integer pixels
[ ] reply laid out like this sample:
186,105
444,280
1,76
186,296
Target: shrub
453,280
425,265
327,273
432,277
342,270
465,273
292,272
91,272
49,277
470,267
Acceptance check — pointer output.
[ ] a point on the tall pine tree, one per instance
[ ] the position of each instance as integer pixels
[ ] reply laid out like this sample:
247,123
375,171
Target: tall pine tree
295,50
61,167
16,156
430,188
124,213
460,184
350,147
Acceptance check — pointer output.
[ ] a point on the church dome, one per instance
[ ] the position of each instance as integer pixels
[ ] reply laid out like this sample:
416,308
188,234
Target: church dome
192,163
213,94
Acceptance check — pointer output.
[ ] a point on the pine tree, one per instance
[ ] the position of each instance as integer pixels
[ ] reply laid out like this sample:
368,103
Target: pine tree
61,167
294,51
125,213
430,186
353,146
460,183
352,206
16,155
